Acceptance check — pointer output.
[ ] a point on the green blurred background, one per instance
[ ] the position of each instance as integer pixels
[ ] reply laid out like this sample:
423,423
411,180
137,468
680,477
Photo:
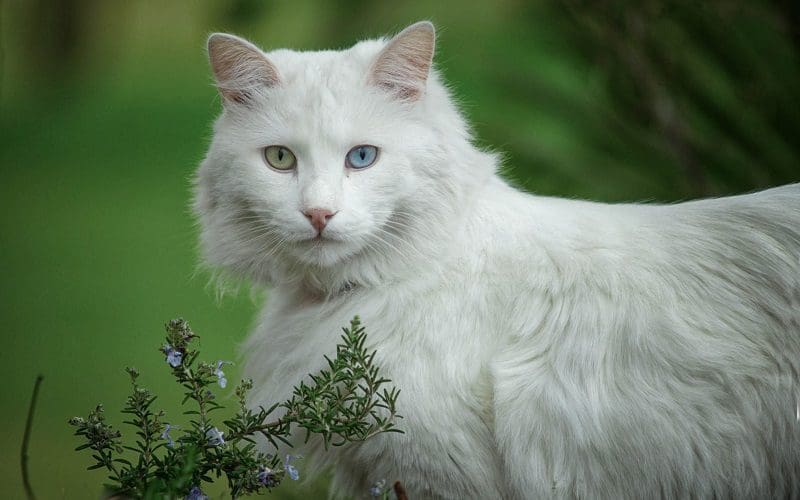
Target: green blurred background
106,106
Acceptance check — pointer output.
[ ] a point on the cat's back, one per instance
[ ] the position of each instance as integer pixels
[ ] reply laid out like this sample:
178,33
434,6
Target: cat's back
573,242
568,224
638,328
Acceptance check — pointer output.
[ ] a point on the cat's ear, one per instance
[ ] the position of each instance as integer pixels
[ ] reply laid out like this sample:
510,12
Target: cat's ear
240,68
403,65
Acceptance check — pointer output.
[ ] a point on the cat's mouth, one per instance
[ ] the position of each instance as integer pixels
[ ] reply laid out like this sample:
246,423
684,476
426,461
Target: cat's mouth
321,250
321,239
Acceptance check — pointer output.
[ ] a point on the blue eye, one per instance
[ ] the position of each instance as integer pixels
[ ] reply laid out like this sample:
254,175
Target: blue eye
361,156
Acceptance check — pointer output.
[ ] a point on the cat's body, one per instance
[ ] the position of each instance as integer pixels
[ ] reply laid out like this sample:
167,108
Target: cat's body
544,347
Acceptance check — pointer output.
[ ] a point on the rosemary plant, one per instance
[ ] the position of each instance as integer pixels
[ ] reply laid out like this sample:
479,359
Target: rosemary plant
346,402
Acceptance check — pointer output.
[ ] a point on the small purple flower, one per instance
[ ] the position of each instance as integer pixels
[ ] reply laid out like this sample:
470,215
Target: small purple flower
214,437
377,488
220,374
266,476
165,435
174,357
196,494
290,469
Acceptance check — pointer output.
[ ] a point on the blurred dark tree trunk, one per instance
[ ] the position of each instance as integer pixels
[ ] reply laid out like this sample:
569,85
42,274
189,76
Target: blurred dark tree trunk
791,15
240,14
57,33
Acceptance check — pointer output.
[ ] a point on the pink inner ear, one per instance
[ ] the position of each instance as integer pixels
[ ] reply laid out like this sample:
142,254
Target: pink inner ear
239,67
403,65
403,92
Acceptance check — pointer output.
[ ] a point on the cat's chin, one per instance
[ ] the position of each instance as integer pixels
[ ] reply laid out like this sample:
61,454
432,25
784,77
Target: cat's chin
323,252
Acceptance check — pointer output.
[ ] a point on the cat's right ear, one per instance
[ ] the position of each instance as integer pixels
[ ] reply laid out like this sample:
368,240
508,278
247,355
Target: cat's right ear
240,68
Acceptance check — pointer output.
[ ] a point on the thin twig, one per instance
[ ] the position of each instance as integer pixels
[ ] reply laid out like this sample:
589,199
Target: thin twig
399,491
26,438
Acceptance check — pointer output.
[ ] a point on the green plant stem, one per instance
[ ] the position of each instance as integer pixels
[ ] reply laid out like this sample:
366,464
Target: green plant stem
259,428
199,397
146,456
26,439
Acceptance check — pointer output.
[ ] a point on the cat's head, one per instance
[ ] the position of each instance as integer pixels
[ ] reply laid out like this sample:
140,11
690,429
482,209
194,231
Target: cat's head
332,167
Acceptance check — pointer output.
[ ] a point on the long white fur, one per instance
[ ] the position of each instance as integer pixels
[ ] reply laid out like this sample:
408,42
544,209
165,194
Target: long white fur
544,347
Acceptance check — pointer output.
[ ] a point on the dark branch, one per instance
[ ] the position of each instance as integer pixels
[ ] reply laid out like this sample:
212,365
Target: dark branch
26,439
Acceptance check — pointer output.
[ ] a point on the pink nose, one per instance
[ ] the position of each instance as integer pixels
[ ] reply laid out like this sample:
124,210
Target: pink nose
318,217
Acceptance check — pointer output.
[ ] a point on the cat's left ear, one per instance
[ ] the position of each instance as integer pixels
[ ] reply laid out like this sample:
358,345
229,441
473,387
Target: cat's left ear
403,66
239,67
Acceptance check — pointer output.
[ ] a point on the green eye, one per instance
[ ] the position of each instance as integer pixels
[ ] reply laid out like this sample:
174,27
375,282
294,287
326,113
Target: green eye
280,157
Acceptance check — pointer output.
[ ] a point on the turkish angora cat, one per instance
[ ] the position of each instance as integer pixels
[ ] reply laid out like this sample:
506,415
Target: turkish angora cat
544,347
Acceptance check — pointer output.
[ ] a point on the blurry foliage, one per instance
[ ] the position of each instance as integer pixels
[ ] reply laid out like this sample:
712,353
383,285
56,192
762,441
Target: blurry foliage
607,99
105,111
713,85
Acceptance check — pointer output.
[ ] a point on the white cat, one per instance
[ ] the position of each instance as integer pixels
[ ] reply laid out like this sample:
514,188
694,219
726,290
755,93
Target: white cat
544,347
